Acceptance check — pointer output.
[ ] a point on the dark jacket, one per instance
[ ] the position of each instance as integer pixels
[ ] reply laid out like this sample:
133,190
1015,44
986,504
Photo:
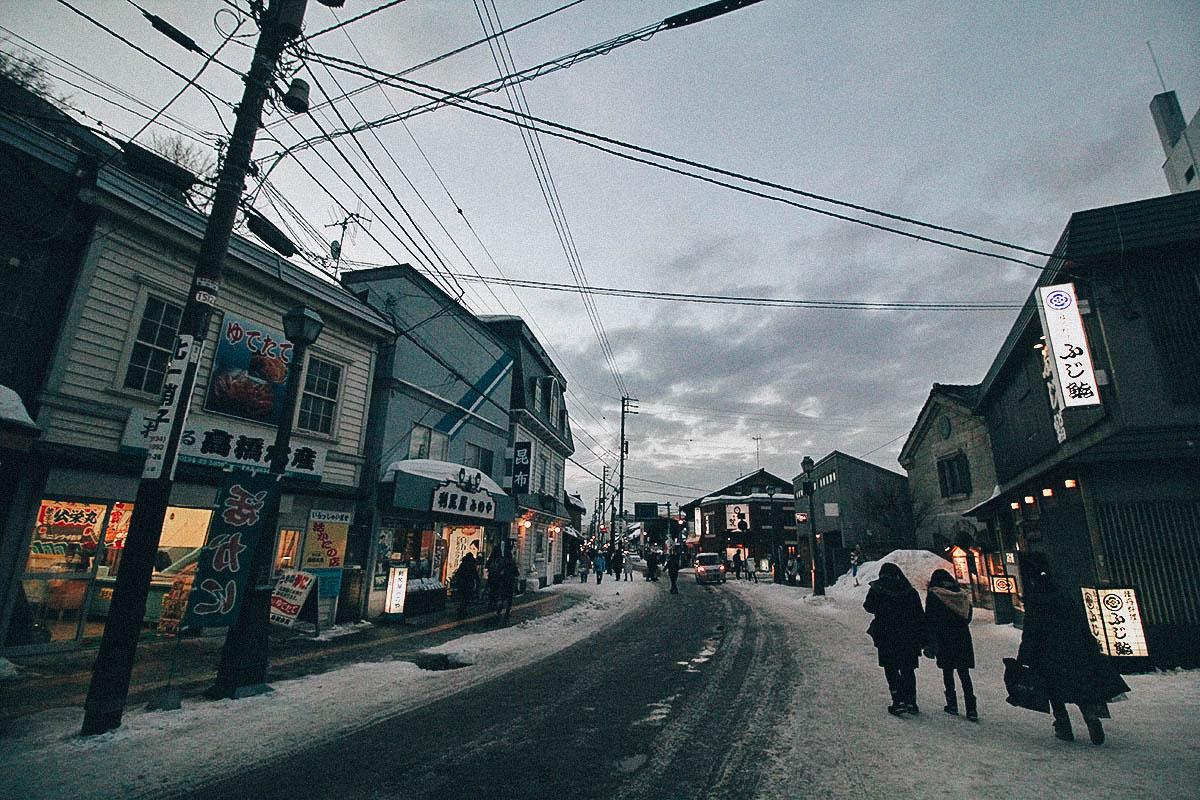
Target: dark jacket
899,625
465,579
1058,645
948,616
673,564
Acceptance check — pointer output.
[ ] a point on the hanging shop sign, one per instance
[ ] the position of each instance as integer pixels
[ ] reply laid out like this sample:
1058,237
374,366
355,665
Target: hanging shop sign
737,518
224,564
522,464
291,590
249,372
1062,324
1115,619
220,444
464,496
962,566
325,540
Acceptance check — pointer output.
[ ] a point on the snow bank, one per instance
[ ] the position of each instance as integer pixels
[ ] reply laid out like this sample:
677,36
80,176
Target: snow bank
917,566
8,669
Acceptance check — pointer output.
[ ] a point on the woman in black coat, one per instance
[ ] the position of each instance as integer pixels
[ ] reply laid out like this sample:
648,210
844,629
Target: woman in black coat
948,615
898,631
1057,644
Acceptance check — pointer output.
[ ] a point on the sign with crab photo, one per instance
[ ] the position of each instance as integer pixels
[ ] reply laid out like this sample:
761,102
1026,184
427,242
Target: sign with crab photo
249,371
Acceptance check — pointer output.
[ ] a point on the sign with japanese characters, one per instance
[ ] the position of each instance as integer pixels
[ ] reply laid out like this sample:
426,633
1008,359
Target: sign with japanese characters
224,565
1114,618
325,541
291,590
220,444
249,371
1062,324
462,541
172,404
397,587
522,467
464,497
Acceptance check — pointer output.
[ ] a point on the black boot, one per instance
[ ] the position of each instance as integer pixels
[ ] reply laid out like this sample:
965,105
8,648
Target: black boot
897,707
951,706
1095,729
1062,728
972,712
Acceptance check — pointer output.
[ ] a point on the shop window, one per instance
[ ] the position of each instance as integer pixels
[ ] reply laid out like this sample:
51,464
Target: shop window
954,475
479,458
286,549
153,345
540,541
427,443
318,401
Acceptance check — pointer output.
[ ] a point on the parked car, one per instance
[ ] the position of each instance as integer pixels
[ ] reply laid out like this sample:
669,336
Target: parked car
710,568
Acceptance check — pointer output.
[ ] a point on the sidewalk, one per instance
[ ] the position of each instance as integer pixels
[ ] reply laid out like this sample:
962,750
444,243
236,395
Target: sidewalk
55,680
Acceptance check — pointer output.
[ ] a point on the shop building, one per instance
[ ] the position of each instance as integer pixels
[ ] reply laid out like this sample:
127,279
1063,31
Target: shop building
126,282
754,515
948,458
442,419
539,444
1096,433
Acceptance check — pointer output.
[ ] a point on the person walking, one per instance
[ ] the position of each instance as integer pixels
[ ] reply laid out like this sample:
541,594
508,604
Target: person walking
627,564
751,567
856,558
651,565
1057,644
898,631
615,562
673,570
737,565
506,584
585,565
598,566
493,577
465,582
948,615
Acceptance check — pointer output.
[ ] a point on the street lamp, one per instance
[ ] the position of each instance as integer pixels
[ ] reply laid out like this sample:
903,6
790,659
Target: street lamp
776,571
242,670
818,563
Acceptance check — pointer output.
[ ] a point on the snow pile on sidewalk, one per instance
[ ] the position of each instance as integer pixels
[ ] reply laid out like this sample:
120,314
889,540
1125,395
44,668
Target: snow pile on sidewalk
917,566
8,669
161,753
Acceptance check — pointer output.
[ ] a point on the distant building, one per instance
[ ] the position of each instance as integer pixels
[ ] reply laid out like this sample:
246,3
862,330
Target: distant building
1180,141
754,513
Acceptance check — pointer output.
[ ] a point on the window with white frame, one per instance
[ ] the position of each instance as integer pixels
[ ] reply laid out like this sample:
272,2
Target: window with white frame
427,443
318,401
153,345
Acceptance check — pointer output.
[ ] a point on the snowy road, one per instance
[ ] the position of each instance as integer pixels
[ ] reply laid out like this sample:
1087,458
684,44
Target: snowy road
678,700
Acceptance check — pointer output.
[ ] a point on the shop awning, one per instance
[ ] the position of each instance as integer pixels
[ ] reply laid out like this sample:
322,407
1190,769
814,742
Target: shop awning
418,481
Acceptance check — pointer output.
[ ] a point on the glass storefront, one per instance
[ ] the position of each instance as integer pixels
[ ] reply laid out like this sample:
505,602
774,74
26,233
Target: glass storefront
72,565
432,549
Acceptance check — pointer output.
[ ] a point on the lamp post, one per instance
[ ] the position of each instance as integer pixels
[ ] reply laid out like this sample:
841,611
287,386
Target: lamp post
776,569
818,562
242,670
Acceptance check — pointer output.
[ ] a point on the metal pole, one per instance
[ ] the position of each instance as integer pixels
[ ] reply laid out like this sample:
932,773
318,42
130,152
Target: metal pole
113,668
817,557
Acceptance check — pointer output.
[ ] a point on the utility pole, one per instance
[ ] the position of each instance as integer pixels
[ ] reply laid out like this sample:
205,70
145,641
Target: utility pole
601,507
757,462
113,668
627,407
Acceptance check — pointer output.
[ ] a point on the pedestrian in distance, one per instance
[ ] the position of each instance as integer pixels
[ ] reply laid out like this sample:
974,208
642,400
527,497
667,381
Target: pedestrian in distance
1058,646
856,558
465,582
598,566
737,565
948,616
506,584
493,578
585,566
751,567
627,564
673,570
615,563
651,565
898,631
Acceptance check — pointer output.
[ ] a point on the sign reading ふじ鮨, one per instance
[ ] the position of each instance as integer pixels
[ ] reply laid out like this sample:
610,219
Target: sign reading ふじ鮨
325,542
1066,344
1114,618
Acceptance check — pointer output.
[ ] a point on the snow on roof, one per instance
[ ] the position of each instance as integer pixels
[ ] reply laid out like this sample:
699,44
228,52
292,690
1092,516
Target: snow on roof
12,410
439,471
917,566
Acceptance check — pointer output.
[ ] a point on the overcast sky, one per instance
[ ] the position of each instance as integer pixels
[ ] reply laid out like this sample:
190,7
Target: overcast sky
999,119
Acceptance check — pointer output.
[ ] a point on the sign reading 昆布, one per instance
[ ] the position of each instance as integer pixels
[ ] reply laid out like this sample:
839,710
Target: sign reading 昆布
522,464
218,444
1115,620
224,565
1066,343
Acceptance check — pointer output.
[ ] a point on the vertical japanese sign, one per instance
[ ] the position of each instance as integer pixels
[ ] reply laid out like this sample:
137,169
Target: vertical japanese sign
397,587
522,466
224,565
249,372
157,428
291,590
1074,378
1115,620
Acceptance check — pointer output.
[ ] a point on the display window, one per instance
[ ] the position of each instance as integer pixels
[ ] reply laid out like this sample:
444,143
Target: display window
286,549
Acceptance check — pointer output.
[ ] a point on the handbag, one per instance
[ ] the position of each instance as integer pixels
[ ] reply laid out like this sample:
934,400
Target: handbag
1026,687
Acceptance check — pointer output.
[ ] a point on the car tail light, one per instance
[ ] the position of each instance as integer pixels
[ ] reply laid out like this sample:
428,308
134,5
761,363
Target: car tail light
700,570
722,568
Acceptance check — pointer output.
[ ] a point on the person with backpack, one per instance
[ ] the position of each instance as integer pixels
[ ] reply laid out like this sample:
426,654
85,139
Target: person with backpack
948,615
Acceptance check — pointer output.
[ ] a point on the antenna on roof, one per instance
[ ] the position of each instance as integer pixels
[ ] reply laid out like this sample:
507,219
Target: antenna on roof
1156,67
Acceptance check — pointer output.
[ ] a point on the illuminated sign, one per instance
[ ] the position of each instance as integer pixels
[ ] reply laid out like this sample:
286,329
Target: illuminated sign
737,518
396,588
1115,619
1003,584
1066,348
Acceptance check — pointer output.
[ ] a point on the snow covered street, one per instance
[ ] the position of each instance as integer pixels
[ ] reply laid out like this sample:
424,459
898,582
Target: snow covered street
838,741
